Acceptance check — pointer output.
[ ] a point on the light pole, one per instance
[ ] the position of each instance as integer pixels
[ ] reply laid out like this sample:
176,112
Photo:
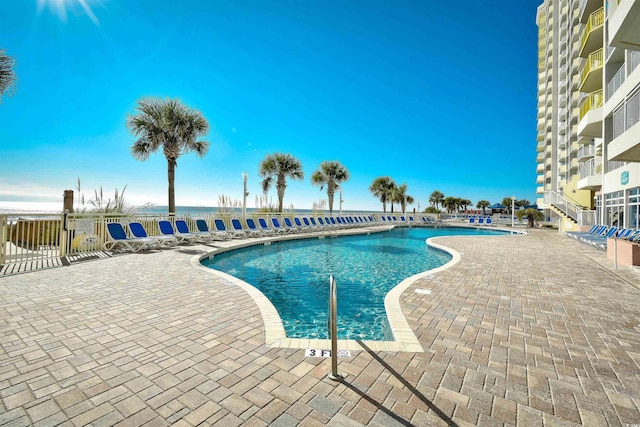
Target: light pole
244,193
513,211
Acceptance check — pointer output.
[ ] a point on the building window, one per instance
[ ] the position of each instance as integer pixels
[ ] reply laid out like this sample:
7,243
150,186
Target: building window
634,208
614,208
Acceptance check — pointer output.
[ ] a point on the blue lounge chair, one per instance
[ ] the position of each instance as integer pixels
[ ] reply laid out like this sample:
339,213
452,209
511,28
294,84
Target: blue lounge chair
237,226
289,225
202,227
265,228
167,229
278,228
472,220
219,224
118,239
138,230
255,231
183,228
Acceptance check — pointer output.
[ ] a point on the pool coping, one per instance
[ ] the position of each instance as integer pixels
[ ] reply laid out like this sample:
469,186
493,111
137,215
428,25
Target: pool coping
275,335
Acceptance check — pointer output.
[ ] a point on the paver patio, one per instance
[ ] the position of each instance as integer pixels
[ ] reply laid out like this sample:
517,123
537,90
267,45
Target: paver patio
524,330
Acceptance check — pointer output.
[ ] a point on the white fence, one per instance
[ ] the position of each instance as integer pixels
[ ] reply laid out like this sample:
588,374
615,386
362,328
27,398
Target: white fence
33,241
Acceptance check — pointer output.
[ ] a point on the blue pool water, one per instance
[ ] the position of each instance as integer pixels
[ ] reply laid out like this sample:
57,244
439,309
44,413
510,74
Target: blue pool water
294,275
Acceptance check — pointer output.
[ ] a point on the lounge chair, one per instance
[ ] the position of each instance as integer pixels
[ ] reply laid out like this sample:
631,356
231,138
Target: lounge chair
183,229
138,230
237,226
118,238
488,220
232,233
472,220
300,226
290,226
278,228
202,227
259,232
167,229
315,224
265,228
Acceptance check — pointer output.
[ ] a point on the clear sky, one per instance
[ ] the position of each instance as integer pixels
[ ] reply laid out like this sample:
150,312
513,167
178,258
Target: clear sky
438,95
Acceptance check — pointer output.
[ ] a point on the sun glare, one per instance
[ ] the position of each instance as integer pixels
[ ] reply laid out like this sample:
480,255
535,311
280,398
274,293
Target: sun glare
60,8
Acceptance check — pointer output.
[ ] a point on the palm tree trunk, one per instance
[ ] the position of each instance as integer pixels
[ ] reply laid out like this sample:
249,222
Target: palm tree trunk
330,197
280,186
171,172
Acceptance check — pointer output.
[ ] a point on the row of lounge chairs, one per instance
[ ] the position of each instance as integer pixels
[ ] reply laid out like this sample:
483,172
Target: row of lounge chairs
598,234
480,220
138,238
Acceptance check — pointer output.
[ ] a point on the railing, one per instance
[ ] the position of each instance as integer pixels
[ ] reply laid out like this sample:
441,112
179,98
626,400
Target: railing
615,82
627,115
590,102
569,207
586,151
332,325
634,60
594,61
596,20
590,168
33,241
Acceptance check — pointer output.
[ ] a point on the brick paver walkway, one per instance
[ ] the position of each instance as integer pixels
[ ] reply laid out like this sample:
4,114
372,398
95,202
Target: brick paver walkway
524,330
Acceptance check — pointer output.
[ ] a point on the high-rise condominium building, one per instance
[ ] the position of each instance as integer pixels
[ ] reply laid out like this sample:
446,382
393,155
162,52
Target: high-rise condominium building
588,138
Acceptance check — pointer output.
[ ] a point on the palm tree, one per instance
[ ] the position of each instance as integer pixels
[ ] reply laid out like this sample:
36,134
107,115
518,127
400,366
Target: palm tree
464,203
331,174
402,197
532,215
171,125
7,74
276,168
450,204
382,188
436,198
483,204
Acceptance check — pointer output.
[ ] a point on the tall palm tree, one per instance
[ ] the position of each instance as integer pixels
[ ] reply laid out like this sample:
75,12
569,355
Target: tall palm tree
7,73
402,197
450,204
436,198
483,204
276,168
464,203
382,188
171,125
331,174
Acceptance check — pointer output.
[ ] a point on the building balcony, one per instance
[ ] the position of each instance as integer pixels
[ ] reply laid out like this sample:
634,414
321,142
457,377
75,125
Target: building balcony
591,115
592,35
540,168
540,190
540,179
624,24
540,137
587,7
590,174
586,152
591,76
540,147
626,147
540,156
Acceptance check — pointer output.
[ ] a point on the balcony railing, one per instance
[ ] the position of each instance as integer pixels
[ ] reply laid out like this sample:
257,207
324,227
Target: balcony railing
627,115
596,20
634,60
615,82
590,102
591,167
594,61
586,151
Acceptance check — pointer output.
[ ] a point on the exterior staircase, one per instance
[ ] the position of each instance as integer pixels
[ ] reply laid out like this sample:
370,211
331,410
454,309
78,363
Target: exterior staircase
569,209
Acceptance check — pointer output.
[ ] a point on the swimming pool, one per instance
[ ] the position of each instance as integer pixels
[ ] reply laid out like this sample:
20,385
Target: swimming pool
294,276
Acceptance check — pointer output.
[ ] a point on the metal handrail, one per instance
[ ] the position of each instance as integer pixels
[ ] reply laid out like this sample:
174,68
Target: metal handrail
332,324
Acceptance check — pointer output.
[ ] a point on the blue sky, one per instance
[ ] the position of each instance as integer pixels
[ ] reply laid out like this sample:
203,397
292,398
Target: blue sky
435,96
